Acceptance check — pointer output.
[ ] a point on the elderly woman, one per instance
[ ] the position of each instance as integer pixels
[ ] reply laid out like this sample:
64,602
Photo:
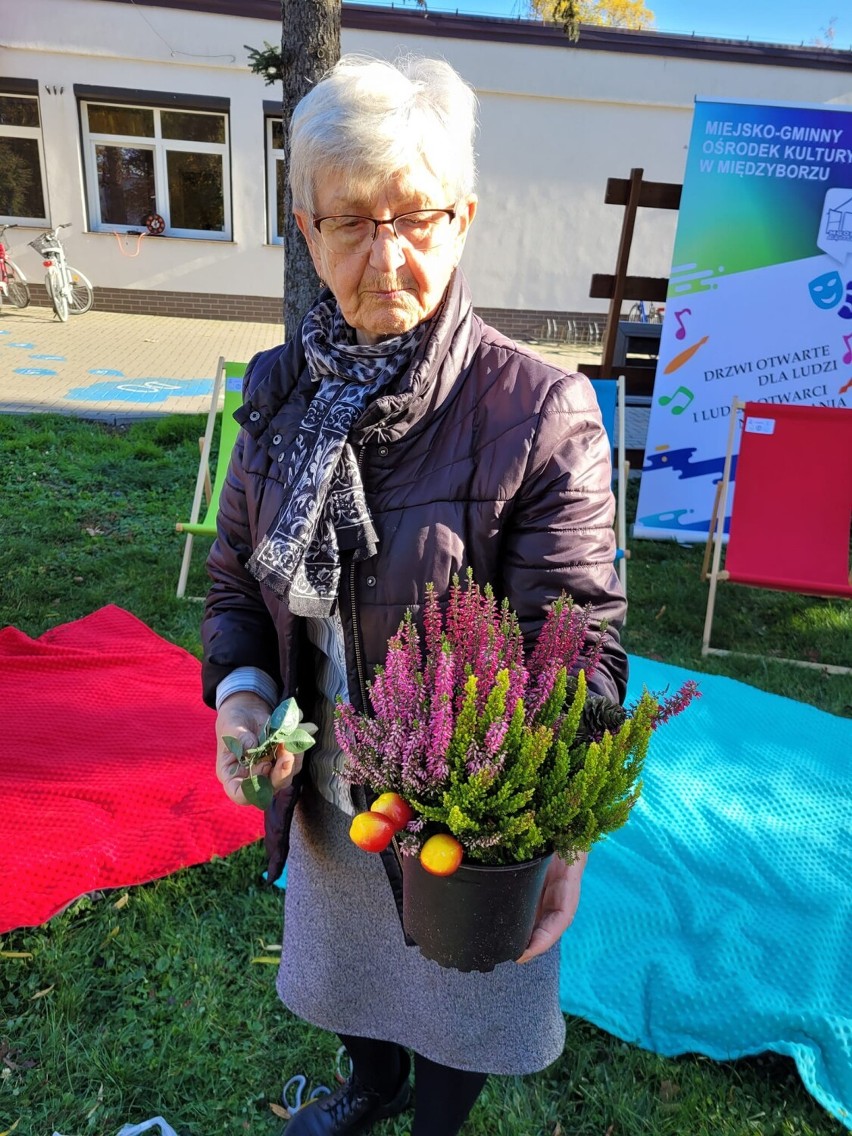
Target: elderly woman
394,440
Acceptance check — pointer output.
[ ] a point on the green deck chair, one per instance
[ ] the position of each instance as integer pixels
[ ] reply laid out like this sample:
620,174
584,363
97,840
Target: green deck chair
229,375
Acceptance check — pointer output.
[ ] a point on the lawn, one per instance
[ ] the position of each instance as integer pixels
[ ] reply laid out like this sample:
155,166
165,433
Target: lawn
159,1000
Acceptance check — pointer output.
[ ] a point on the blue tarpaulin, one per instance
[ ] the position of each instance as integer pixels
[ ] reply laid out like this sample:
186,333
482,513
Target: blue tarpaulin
719,919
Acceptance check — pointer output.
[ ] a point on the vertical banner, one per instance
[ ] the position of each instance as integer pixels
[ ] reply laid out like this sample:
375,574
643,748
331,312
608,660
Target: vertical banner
759,303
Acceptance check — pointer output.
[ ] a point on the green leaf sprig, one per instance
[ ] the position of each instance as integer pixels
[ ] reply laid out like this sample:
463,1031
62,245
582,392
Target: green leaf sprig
284,726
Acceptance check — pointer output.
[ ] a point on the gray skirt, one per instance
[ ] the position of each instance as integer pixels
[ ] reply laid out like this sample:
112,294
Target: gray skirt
345,966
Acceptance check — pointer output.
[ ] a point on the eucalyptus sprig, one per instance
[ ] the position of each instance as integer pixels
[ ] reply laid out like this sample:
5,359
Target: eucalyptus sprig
285,727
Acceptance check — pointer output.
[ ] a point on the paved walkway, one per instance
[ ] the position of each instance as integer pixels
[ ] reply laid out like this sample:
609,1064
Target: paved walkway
116,366
111,365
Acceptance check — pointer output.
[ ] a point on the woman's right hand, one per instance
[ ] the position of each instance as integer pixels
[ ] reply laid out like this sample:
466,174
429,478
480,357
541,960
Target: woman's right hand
242,716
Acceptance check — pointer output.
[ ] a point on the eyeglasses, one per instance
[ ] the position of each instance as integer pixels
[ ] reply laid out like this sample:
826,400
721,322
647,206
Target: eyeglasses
423,229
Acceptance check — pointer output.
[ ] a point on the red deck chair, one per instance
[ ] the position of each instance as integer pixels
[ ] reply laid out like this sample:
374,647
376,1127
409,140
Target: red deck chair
792,507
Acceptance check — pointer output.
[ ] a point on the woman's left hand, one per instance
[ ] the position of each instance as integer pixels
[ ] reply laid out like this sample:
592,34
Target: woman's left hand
557,906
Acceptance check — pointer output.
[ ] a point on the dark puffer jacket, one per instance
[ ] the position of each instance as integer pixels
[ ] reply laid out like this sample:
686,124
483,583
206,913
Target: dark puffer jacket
489,458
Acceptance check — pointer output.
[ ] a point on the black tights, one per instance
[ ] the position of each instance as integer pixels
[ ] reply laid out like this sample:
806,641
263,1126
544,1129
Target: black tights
444,1096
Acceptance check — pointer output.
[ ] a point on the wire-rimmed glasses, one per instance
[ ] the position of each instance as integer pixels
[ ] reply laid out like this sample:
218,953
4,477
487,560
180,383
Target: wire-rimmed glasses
422,229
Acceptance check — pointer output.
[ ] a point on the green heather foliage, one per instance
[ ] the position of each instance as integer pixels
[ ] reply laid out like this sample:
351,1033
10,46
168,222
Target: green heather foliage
557,796
524,761
148,1002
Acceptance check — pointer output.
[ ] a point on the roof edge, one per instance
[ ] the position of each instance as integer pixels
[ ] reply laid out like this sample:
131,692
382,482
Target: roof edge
495,29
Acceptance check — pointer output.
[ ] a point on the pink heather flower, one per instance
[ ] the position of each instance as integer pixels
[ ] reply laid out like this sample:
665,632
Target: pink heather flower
479,760
413,744
432,625
410,641
451,620
379,700
518,680
676,703
483,841
399,688
409,754
495,736
594,654
542,689
409,843
484,638
441,719
418,694
563,638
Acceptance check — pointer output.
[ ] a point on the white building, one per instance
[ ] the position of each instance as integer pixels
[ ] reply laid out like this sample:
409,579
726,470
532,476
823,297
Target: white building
112,110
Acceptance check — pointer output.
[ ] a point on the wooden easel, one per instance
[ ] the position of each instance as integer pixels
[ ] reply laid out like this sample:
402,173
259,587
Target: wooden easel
633,193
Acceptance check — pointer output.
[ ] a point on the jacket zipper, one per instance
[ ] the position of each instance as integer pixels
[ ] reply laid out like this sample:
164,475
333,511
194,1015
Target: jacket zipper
356,632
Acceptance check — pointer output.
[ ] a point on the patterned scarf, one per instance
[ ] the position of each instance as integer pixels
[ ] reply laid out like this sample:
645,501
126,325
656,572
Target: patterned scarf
325,511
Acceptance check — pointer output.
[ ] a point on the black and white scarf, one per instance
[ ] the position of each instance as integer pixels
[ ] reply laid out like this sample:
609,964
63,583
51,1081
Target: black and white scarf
325,511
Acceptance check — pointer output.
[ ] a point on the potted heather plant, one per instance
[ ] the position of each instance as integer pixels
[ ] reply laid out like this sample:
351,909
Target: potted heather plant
484,763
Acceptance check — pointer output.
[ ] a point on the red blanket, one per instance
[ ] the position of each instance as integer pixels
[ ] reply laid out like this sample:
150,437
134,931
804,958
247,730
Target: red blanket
106,766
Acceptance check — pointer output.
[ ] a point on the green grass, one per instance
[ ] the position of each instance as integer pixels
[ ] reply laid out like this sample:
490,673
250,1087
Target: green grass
147,1002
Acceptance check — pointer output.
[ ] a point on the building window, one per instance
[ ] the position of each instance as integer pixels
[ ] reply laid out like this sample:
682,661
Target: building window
275,180
22,196
144,160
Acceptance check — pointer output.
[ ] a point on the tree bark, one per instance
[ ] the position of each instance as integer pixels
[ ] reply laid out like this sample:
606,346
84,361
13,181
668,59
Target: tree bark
310,45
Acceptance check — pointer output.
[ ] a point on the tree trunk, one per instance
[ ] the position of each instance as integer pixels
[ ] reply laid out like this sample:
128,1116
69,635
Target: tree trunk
310,45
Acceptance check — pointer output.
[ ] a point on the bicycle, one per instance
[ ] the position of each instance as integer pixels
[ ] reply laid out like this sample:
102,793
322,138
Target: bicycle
69,290
640,314
13,283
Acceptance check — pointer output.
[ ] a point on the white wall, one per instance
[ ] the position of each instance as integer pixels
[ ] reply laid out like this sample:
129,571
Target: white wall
556,123
94,43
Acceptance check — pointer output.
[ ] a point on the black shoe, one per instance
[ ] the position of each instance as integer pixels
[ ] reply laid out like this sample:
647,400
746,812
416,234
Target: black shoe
351,1109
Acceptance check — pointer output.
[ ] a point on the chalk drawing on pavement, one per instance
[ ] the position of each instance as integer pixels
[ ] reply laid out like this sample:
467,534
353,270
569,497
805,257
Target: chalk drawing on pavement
141,390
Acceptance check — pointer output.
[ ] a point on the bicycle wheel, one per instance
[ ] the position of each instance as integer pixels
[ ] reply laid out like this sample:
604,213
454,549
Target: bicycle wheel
18,289
56,291
82,295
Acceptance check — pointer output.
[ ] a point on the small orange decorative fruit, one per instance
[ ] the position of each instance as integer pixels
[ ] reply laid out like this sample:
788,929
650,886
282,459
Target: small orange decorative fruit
395,808
371,831
441,854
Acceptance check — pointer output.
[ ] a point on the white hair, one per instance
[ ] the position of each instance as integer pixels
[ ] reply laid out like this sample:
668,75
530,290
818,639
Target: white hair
368,119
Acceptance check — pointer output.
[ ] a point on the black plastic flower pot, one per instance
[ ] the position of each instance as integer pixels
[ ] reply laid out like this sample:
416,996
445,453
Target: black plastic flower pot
477,917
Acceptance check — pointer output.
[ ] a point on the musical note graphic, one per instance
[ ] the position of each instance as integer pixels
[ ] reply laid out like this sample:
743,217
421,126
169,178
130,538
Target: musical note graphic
847,355
681,330
684,356
681,392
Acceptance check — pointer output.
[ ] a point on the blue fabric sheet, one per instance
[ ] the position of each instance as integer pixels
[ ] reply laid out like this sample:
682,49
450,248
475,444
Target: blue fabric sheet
719,919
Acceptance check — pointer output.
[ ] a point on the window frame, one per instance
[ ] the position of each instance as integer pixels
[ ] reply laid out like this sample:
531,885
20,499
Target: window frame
274,156
27,132
160,147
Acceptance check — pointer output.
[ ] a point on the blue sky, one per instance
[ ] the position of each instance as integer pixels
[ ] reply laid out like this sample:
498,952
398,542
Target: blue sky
774,21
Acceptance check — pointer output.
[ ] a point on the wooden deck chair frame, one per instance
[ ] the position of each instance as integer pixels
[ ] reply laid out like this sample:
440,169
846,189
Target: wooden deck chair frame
759,421
613,420
229,377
